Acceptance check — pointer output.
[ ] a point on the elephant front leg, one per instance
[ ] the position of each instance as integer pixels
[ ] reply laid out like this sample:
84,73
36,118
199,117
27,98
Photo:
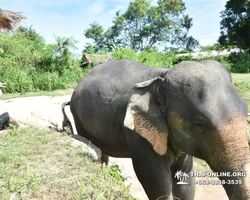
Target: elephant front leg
154,176
152,169
183,185
155,180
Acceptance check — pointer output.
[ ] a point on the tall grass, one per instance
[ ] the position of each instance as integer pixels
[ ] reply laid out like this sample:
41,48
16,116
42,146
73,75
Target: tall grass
20,81
38,164
28,64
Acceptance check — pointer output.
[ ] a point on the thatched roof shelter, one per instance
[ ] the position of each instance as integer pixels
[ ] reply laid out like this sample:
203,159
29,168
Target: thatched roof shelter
95,59
9,20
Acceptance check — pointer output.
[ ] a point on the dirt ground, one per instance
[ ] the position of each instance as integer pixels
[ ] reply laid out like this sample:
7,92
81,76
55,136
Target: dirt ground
41,111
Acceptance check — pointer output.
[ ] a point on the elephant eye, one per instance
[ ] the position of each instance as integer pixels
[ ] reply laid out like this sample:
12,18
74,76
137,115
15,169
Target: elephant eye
199,127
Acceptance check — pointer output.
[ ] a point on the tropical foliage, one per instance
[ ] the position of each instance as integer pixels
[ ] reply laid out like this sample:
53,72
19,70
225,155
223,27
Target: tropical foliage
9,20
144,26
235,29
27,63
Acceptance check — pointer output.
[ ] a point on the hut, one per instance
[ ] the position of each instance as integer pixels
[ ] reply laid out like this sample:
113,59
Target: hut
94,59
9,20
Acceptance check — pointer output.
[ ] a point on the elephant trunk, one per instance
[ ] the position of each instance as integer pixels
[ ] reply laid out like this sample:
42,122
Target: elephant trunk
230,153
237,183
242,189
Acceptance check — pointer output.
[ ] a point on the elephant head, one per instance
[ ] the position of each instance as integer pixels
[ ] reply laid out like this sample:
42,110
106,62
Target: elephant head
195,109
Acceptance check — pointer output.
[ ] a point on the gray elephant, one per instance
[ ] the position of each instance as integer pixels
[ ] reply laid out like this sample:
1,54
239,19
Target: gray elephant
161,118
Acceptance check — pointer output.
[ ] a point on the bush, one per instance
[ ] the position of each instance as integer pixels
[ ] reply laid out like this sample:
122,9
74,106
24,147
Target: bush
240,62
124,53
151,58
48,81
154,58
28,64
74,76
177,59
17,81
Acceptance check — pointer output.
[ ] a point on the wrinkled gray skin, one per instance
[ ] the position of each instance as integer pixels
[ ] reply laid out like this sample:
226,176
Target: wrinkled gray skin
161,118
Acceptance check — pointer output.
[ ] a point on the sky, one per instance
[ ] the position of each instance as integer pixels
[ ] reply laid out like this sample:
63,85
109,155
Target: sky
66,18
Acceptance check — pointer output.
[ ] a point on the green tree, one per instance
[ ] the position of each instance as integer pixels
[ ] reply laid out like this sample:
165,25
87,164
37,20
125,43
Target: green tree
28,63
31,34
21,49
95,32
144,26
63,57
27,50
235,29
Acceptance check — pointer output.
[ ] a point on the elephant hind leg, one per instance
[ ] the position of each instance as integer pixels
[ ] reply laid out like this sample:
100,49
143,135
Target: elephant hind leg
83,133
105,159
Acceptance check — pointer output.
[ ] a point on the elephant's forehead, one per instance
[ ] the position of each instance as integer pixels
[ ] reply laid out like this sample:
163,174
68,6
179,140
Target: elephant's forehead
190,72
200,76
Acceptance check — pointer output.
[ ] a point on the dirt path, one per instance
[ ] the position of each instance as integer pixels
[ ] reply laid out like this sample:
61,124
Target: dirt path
40,111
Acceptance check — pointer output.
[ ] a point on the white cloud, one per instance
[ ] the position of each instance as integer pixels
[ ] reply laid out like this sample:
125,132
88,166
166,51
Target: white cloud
97,8
118,7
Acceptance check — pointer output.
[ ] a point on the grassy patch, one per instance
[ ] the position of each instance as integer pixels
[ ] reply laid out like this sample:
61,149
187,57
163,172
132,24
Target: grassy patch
242,85
38,164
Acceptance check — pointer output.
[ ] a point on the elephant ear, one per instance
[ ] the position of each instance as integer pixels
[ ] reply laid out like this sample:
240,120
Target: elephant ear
144,114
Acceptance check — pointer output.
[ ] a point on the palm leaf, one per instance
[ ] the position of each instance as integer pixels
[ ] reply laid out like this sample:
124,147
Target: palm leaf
9,20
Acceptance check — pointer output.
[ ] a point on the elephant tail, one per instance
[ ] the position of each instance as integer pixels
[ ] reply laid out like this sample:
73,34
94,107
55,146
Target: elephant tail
66,124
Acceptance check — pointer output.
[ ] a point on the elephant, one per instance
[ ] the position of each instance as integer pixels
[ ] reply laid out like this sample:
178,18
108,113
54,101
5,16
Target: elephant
161,118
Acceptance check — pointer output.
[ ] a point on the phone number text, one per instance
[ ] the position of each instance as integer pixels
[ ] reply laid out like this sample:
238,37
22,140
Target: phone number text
218,182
